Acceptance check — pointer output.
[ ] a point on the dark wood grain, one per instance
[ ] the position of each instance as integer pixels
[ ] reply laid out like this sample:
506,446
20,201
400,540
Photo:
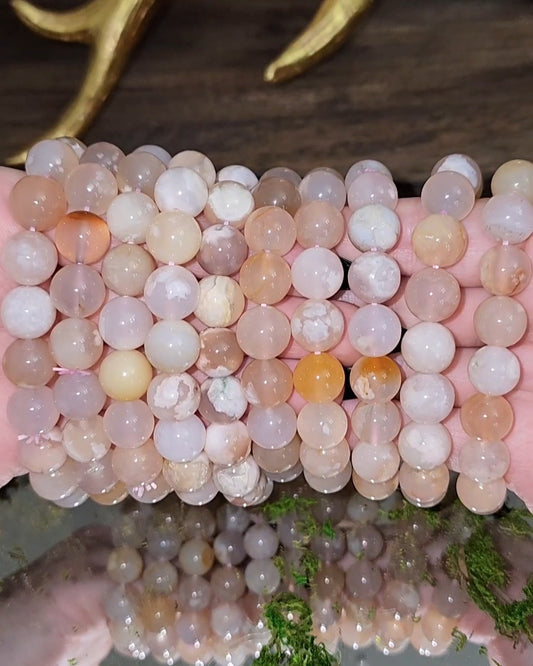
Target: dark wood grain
418,79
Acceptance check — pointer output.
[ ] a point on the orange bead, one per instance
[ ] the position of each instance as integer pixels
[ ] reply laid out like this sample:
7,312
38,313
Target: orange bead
375,379
319,377
82,237
265,278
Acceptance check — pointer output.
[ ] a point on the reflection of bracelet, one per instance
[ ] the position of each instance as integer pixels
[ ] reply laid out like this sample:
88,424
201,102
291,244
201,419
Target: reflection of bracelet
95,421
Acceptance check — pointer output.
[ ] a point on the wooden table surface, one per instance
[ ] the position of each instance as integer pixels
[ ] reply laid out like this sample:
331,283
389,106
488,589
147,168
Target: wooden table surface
416,80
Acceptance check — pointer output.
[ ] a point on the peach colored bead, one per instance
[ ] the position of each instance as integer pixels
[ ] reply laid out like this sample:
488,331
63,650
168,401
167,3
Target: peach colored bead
45,454
267,383
365,166
375,379
487,416
85,439
317,325
76,344
319,377
322,426
375,491
77,290
30,363
432,294
104,153
448,193
51,158
439,240
150,493
513,176
279,460
508,217
58,484
331,484
325,463
375,463
129,215
372,187
222,250
317,273
135,466
376,423
222,400
481,498
98,476
197,161
272,427
263,332
172,346
126,268
374,330
424,488
319,223
227,443
265,278
138,172
283,172
270,228
464,165
125,375
188,476
173,237
220,301
37,202
82,237
505,270
173,397
437,627
323,184
500,321
220,354
77,146
115,495
91,188
277,192
484,460
229,202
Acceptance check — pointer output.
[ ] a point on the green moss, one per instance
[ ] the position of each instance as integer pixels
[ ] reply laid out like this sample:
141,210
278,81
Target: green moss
273,511
459,639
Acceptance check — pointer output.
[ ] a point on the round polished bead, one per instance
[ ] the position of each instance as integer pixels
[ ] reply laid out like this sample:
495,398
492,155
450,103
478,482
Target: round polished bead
160,577
129,215
270,229
126,268
319,377
272,427
428,347
77,146
375,463
277,460
228,583
265,277
500,321
260,540
448,193
138,172
52,159
484,460
262,576
283,172
508,217
424,488
481,498
229,202
30,363
331,484
78,395
78,497
181,189
375,379
220,354
29,258
98,476
374,330
172,346
197,161
125,375
513,176
171,292
86,439
267,383
325,463
505,270
223,250
82,237
28,312
124,565
58,484
376,423
76,344
275,191
233,518
222,400
487,416
375,491
464,165
180,441
263,332
424,445
37,203
150,493
135,466
432,294
194,592
365,166
237,480
439,240
319,223
317,325
238,174
124,323
400,597
32,410
374,227
128,424
363,580
317,273
494,370
427,397
322,426
77,290
104,153
173,396
372,187
188,477
173,237
374,277
42,454
227,443
91,188
323,184
220,301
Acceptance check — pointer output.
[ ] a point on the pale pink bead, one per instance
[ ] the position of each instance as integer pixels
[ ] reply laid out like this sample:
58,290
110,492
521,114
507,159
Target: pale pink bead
199,497
220,354
76,498
432,294
78,396
229,202
284,173
427,397
505,270
372,187
58,484
319,223
173,237
484,461
171,292
150,493
500,321
196,161
513,176
317,325
272,427
323,184
129,423
331,484
481,498
77,146
508,217
129,215
450,193
86,439
227,443
135,466
325,463
44,455
494,370
288,475
428,347
239,174
124,322
172,346
77,290
270,228
158,151
223,250
322,425
173,396
51,158
375,491
376,423
425,445
27,312
237,480
181,189
263,332
220,301
126,268
317,273
464,165
278,460
374,330
90,187
180,441
138,172
365,166
104,153
29,257
374,227
222,400
424,488
98,475
29,363
375,463
189,476
76,344
374,277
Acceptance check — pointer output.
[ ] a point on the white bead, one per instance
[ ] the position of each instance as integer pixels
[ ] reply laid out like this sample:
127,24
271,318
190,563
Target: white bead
29,258
27,312
374,277
427,398
159,152
494,370
221,301
181,189
374,227
317,273
363,166
196,161
428,347
508,217
239,174
237,480
374,330
172,346
424,445
180,441
129,215
229,202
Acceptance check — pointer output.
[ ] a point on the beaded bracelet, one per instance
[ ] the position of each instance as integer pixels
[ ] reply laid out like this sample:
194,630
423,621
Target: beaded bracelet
151,333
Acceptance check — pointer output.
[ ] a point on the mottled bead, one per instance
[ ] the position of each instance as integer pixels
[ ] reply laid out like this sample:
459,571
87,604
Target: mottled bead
188,477
494,370
77,290
486,416
173,396
448,193
29,258
372,187
104,153
424,488
197,161
432,294
30,363
160,577
91,188
228,583
428,347
76,344
513,176
439,240
374,277
272,427
138,172
222,400
375,379
98,475
37,203
275,191
317,273
239,174
220,354
32,410
319,223
78,395
375,463
237,480
124,565
317,325
60,483
323,184
266,383
135,466
265,277
325,463
484,461
194,592
508,217
51,158
171,292
129,215
424,445
124,322
376,423
223,250
126,268
128,424
227,443
229,202
173,237
427,397
86,439
505,270
28,312
220,301
322,426
180,441
263,332
125,375
464,165
172,346
152,492
500,321
82,237
374,227
481,498
319,377
374,330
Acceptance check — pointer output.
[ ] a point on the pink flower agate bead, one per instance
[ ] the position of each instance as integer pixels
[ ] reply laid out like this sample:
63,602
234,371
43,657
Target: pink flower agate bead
222,400
279,460
323,184
428,347
173,237
181,189
171,292
220,354
37,203
136,466
51,158
272,427
223,250
190,476
284,173
91,188
365,166
237,480
481,498
439,240
158,151
432,294
29,257
173,397
375,464
128,424
484,461
220,301
227,443
77,146
424,488
322,426
265,277
372,187
124,322
126,268
267,383
374,227
374,277
76,344
138,172
486,417
376,423
375,491
29,363
58,484
274,191
331,484
86,439
180,441
505,270
129,215
374,330
98,476
325,463
494,370
27,312
449,193
508,217
317,273
500,321
172,346
32,411
103,153
424,445
229,202
239,174
77,290
78,395
319,223
317,325
44,455
464,165
198,162
270,228
263,332
427,397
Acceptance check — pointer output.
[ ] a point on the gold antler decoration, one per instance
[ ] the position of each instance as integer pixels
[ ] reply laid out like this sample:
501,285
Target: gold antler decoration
113,27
